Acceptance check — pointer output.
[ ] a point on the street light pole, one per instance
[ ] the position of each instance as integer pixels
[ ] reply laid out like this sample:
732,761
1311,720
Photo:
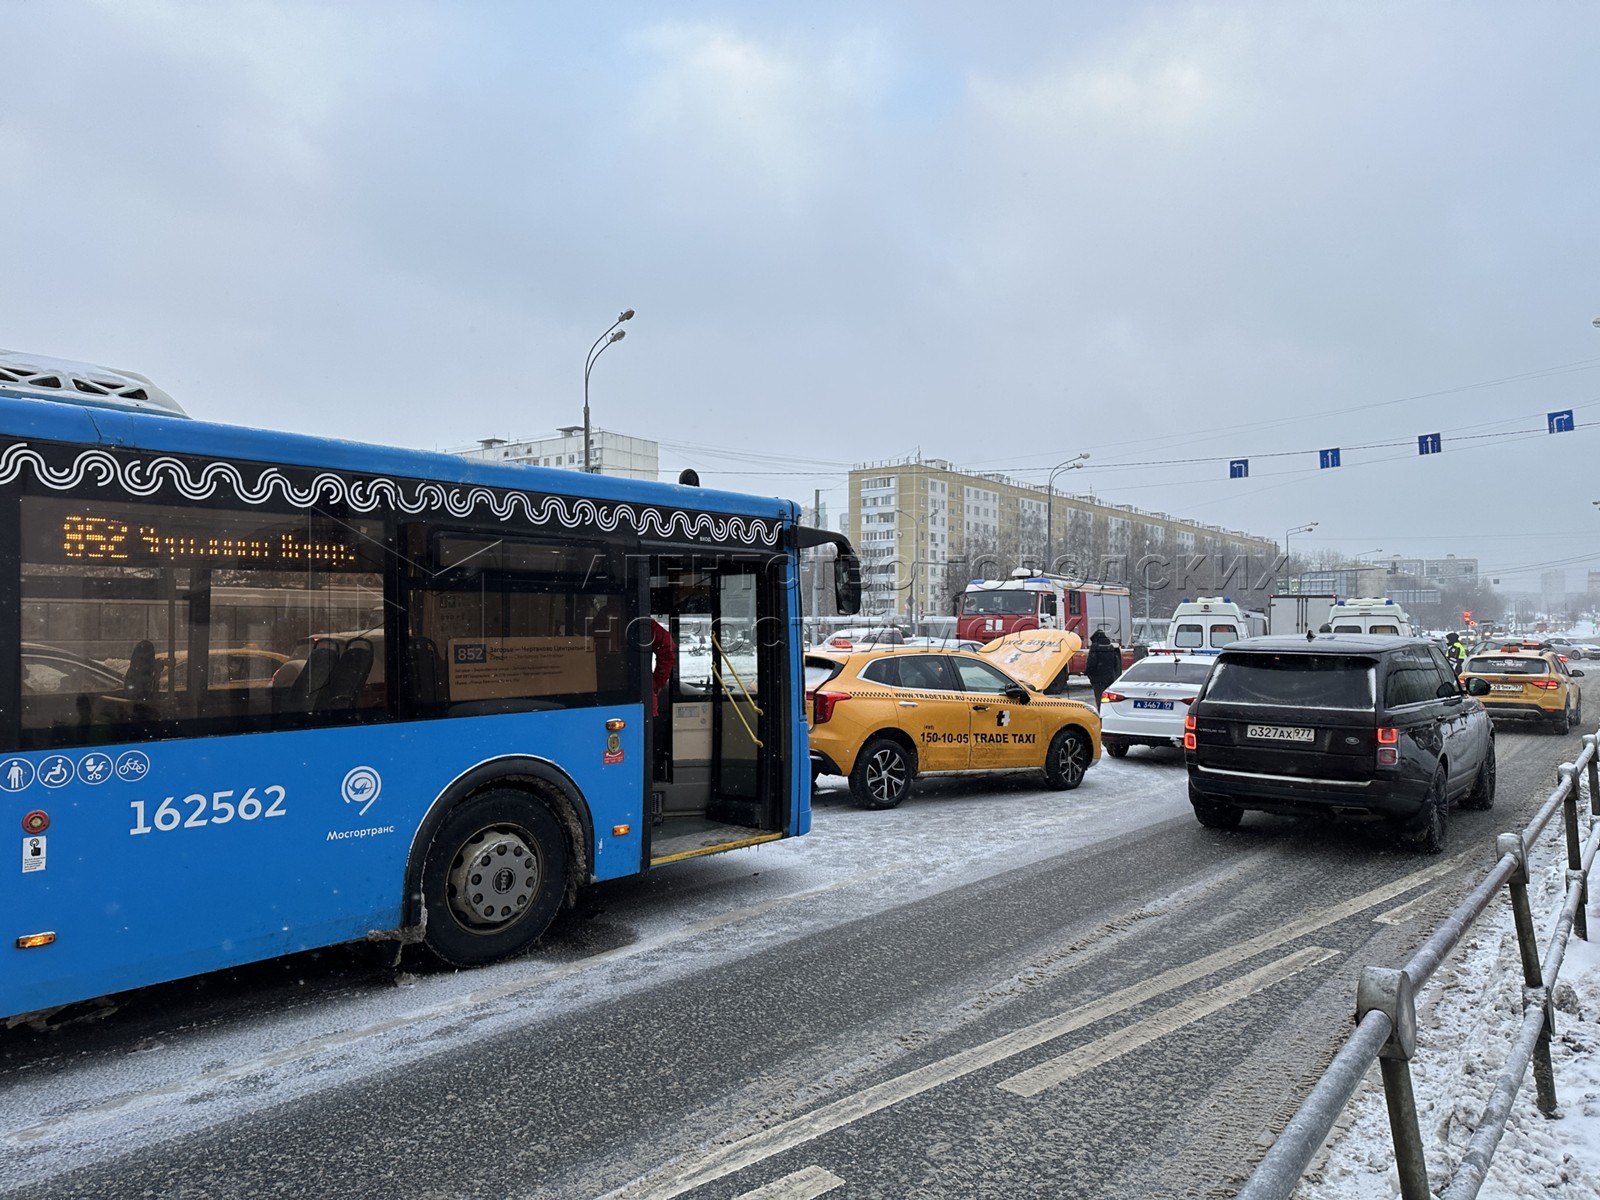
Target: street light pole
916,538
607,338
1050,505
1288,533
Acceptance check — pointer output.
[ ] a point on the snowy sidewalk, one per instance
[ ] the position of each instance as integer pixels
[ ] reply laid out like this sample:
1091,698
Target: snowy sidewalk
1467,1018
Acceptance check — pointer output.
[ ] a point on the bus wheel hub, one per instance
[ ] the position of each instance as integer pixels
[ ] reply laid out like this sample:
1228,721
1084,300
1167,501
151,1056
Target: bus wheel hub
494,879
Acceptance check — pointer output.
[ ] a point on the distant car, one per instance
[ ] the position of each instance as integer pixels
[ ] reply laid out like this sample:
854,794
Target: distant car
1357,726
227,668
51,671
949,643
1529,684
882,717
60,688
1572,649
861,639
1146,704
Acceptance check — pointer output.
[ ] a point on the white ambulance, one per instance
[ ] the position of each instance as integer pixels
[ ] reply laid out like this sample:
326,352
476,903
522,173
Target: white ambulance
1369,614
1208,623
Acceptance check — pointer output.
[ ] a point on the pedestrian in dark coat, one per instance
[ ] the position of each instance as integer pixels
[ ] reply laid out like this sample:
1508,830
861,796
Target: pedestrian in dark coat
1103,665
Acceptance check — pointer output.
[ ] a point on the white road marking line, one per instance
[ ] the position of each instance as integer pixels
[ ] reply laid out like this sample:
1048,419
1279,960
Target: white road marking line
1401,913
1114,1045
477,998
692,1171
801,1185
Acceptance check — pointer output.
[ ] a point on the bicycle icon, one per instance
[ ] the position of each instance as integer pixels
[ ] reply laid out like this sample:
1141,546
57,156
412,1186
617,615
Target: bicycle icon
132,765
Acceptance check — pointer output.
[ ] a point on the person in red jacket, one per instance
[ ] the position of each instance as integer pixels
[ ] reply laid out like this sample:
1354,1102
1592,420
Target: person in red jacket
664,654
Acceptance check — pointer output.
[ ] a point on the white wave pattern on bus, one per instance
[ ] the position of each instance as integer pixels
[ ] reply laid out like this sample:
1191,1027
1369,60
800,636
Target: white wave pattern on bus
146,478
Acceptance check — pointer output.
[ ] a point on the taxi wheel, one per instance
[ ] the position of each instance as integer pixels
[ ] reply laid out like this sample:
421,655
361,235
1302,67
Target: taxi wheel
1069,757
882,775
1562,722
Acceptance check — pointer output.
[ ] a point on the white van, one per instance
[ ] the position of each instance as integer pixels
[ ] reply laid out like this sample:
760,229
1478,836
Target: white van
1369,614
1208,623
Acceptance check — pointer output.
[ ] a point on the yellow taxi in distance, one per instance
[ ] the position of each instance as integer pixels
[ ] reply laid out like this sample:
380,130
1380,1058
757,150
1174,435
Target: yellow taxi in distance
1528,681
882,717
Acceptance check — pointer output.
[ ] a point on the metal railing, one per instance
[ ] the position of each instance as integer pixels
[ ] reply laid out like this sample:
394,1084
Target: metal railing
1386,1020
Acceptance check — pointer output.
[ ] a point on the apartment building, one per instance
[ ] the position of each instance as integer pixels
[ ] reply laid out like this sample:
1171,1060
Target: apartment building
614,453
924,527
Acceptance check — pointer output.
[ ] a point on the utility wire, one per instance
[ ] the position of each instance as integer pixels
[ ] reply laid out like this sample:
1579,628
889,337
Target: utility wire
1212,432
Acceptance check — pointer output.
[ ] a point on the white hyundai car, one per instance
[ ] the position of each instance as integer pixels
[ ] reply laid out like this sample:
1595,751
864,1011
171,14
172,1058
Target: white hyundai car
1146,704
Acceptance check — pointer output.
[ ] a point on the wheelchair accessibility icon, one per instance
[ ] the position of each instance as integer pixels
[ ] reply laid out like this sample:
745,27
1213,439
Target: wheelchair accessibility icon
56,771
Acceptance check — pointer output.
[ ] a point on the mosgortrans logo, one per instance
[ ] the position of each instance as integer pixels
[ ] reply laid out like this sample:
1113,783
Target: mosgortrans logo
362,786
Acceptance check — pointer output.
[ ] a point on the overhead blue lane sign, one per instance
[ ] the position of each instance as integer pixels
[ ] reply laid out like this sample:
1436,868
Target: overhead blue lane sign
1238,468
1561,422
1330,458
1429,443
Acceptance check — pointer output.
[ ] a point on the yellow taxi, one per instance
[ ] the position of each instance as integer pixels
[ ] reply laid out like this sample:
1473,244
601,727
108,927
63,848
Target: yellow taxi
882,717
1528,681
226,667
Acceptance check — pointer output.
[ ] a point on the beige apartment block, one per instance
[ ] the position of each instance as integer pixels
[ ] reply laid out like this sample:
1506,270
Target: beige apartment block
924,527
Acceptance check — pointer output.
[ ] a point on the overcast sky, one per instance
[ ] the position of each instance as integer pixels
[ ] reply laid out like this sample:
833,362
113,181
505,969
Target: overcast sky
1168,234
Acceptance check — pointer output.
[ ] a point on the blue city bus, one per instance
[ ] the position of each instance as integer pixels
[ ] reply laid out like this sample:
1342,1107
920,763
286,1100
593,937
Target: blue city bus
262,692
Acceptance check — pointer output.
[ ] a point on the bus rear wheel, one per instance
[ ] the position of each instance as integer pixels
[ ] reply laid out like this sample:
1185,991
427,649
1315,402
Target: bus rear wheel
493,879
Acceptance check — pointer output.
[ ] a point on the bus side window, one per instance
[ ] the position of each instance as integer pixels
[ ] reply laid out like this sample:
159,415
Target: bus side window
197,626
503,624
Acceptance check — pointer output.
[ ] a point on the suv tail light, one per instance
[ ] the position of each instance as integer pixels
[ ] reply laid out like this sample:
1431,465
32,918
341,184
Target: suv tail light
1545,683
1190,742
822,706
1388,746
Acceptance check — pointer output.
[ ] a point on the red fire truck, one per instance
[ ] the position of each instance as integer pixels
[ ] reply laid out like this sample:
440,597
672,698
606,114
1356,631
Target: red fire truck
992,608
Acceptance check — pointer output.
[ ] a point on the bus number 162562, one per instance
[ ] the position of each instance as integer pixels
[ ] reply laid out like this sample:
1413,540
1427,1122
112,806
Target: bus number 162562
223,808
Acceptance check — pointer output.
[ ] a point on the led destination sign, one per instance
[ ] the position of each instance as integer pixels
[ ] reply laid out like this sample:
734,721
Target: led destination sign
70,532
106,539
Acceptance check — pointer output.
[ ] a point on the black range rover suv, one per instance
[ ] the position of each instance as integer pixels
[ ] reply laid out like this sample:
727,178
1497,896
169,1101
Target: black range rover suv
1358,726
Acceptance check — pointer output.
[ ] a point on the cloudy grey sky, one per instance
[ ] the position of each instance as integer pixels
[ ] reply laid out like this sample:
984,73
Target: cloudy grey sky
1166,233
